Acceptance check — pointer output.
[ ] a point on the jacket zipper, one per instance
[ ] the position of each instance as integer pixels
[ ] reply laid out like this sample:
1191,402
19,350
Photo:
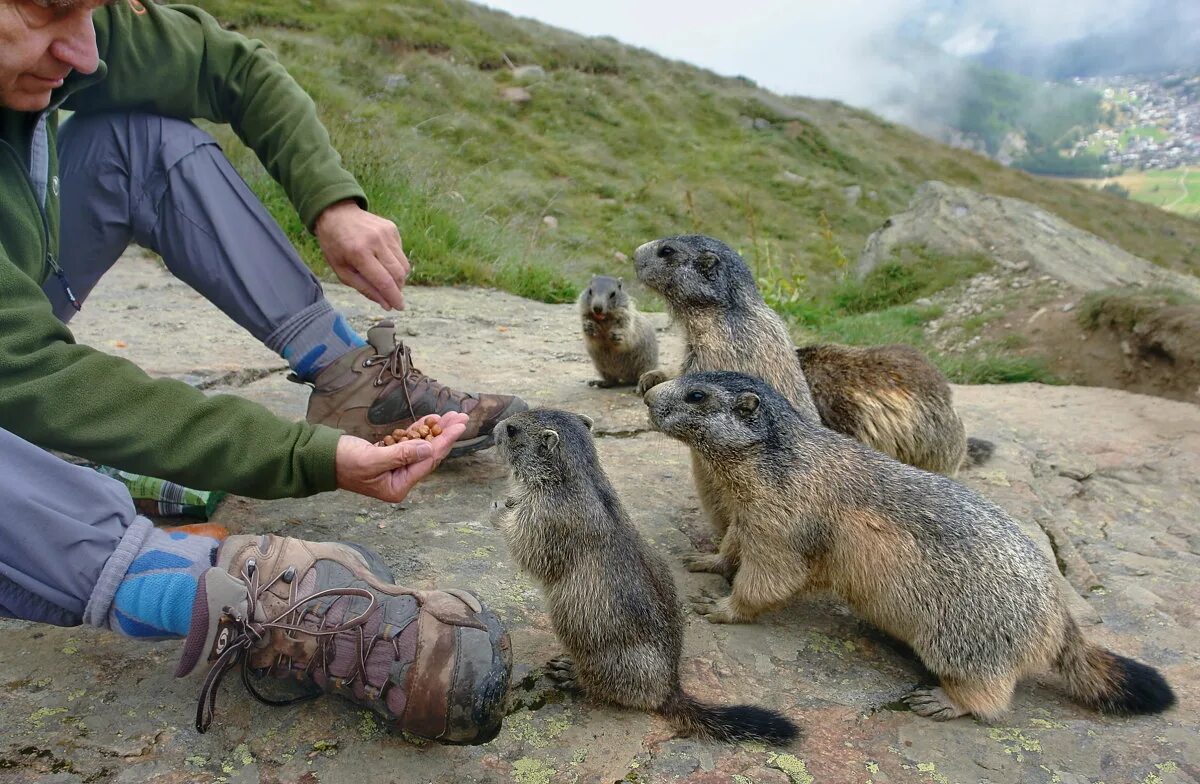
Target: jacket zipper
49,260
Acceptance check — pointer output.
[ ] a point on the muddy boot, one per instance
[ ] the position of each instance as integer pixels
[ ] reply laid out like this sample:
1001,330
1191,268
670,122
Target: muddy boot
376,389
435,664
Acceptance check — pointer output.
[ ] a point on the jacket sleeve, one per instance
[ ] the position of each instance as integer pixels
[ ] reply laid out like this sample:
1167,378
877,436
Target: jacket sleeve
177,61
61,395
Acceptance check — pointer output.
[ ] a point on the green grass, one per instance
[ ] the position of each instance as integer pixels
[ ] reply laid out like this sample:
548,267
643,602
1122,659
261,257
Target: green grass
622,146
1122,309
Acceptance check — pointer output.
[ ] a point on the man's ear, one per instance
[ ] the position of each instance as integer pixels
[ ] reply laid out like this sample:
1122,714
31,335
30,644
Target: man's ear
550,440
588,422
746,404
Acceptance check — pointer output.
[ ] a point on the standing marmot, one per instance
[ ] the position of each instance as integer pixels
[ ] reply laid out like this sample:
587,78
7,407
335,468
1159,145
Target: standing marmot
610,597
915,553
619,339
889,397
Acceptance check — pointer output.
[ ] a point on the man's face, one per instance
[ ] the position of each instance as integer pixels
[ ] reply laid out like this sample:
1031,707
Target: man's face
40,43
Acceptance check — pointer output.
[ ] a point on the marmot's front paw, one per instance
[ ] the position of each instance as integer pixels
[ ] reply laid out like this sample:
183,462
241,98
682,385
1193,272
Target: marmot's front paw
712,609
934,704
561,670
708,563
650,379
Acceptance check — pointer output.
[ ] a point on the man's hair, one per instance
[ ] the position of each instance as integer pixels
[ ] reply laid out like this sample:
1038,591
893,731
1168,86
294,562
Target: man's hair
64,3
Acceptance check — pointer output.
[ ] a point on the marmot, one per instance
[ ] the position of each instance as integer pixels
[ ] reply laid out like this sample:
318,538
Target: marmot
619,339
891,398
917,554
610,597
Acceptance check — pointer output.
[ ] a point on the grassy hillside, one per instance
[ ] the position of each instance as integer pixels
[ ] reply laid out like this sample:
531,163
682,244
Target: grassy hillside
619,146
1177,190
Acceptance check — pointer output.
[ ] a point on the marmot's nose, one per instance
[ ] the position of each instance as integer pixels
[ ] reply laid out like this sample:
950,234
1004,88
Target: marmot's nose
597,309
645,247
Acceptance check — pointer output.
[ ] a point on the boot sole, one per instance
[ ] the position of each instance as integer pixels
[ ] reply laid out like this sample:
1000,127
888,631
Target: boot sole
486,441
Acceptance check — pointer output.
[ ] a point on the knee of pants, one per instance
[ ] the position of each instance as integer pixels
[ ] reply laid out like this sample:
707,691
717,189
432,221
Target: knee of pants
129,135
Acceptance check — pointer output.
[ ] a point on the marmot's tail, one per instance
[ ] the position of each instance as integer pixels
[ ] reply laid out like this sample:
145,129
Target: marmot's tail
979,451
1107,681
733,722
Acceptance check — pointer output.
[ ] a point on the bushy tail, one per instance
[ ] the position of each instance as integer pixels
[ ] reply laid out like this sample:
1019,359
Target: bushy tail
1109,682
732,723
979,451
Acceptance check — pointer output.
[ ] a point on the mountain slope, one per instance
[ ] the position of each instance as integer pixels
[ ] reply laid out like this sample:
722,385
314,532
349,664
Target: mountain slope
618,146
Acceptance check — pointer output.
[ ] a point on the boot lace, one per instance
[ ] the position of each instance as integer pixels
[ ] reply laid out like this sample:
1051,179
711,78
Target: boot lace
399,366
249,632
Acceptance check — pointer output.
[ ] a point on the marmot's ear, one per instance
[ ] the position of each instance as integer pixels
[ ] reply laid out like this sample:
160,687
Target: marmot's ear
707,260
746,404
588,422
620,283
550,440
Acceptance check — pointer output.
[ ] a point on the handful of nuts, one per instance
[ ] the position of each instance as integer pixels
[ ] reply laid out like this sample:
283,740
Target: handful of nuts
417,430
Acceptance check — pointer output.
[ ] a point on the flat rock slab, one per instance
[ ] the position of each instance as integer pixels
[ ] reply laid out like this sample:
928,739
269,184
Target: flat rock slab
1108,480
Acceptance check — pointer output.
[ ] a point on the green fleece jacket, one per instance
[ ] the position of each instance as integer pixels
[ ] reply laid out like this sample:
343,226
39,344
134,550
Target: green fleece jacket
54,392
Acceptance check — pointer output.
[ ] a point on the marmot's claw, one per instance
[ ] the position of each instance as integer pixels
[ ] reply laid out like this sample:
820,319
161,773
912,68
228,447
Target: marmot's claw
649,380
712,608
933,704
702,562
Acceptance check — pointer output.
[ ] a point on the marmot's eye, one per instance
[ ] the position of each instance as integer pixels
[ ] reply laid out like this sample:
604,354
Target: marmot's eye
588,294
666,252
612,295
695,396
512,430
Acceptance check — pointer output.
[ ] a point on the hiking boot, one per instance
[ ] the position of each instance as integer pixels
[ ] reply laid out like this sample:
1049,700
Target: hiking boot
376,389
434,664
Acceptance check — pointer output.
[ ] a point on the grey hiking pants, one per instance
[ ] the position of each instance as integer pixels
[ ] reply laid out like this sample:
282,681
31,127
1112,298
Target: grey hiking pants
67,534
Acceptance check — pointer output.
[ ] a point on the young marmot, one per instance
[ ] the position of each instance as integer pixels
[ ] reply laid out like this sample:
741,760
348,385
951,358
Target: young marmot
891,398
619,339
922,557
610,597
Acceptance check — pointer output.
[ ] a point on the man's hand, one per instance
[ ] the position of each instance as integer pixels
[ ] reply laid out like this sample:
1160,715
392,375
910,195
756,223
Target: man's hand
389,472
364,251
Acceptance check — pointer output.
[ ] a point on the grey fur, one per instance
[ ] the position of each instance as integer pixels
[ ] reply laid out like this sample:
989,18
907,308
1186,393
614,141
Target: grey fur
889,397
619,339
610,597
919,555
711,293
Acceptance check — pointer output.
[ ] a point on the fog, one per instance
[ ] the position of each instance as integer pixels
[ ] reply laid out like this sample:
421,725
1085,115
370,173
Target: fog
901,58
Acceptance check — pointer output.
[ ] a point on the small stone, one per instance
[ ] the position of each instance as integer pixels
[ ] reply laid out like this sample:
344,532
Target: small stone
395,82
1068,307
852,194
529,73
621,257
516,95
550,221
923,302
792,177
761,123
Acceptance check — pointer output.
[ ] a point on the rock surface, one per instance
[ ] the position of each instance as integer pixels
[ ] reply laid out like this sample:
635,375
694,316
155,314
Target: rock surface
1113,478
1012,232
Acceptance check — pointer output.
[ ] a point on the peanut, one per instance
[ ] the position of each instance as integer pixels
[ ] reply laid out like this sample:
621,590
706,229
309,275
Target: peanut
426,429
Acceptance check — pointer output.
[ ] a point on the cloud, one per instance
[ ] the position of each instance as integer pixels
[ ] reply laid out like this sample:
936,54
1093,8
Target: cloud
881,53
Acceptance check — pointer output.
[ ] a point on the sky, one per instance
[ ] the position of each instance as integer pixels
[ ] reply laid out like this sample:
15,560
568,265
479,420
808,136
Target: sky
847,49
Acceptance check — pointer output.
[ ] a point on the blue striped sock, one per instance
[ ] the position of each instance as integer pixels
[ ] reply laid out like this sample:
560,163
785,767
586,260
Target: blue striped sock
154,599
314,339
